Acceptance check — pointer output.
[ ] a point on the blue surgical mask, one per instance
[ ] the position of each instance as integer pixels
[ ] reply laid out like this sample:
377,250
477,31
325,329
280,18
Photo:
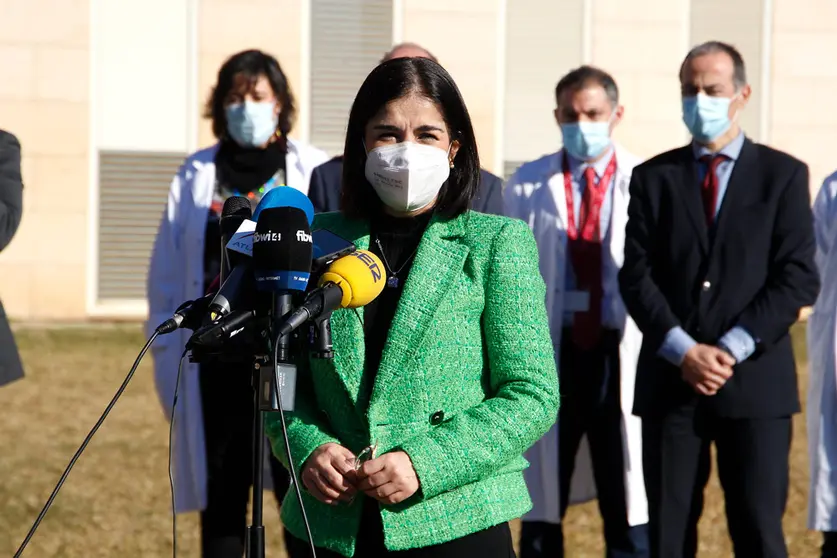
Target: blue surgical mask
586,140
707,118
251,123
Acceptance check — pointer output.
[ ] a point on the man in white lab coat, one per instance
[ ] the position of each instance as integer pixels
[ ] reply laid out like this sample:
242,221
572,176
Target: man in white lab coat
576,202
822,369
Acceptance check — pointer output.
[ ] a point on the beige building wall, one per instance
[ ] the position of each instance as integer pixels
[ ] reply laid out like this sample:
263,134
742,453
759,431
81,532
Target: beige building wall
279,27
44,101
543,40
70,88
141,97
463,35
642,43
744,26
803,118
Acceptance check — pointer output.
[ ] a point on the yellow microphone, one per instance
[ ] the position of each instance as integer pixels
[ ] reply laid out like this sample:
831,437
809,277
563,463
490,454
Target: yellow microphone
352,281
359,276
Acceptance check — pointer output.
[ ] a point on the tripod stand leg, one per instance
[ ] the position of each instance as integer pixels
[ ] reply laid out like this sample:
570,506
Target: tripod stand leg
255,546
255,542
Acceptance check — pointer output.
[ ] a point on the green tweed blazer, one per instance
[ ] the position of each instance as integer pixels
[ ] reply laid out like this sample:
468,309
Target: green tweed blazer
467,382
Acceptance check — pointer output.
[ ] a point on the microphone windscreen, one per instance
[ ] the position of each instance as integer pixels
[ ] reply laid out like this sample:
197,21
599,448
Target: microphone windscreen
285,196
236,210
359,275
282,250
238,206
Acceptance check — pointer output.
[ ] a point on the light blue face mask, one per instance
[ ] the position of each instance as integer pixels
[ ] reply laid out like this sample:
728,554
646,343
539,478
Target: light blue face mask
251,124
586,140
707,118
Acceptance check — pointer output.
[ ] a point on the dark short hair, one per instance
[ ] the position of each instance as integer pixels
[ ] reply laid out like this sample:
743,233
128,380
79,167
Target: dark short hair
392,80
411,45
739,72
251,64
583,76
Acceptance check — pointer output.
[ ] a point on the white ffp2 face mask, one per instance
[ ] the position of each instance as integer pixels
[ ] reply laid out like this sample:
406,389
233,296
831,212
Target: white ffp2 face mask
407,176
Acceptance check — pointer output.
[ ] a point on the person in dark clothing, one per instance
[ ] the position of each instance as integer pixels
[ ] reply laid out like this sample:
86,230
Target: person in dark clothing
324,191
719,260
250,161
251,109
11,211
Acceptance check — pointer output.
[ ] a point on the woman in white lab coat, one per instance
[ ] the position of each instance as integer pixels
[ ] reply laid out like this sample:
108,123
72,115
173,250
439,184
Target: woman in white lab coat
822,369
252,111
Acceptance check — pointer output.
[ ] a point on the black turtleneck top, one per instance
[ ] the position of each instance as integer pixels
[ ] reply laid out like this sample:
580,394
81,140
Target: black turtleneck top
399,238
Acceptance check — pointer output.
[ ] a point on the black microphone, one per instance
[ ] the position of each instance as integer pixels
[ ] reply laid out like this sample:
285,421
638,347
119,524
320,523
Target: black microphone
189,315
216,333
235,267
236,210
282,251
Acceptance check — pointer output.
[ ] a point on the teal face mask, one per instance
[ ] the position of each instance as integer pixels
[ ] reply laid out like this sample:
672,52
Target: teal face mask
707,118
251,123
586,140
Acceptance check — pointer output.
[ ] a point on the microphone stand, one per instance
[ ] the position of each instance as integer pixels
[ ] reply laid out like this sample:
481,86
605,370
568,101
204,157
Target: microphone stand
265,399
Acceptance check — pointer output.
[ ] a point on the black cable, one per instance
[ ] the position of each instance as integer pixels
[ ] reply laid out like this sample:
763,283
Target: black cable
84,444
171,476
291,466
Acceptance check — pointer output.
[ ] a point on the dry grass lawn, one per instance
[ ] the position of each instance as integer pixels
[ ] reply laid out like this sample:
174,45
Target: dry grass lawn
116,500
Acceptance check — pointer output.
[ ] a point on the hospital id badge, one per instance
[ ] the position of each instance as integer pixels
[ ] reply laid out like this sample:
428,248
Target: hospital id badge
576,301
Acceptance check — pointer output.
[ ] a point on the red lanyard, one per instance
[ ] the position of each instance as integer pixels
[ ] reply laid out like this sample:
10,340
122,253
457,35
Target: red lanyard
593,194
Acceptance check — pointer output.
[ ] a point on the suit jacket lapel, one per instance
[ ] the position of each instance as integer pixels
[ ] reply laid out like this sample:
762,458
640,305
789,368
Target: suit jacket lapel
347,324
743,182
687,184
438,262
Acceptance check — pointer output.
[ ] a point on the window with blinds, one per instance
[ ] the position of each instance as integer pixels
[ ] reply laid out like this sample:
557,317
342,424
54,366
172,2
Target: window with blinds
133,189
348,39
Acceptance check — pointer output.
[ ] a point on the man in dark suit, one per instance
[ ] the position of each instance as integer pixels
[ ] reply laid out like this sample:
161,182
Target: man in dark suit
719,260
324,189
11,210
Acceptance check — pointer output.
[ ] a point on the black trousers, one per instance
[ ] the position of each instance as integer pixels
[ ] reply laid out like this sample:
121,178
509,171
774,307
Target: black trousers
494,542
829,544
753,469
227,398
591,405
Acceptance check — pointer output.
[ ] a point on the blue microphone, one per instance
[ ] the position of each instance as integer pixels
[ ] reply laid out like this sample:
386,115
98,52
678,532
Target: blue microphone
285,196
282,250
240,278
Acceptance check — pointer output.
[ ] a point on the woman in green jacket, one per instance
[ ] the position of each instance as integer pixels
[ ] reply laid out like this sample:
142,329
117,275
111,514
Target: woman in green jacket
411,439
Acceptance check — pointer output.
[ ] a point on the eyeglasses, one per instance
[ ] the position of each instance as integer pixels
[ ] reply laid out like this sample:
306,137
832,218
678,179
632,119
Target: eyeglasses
367,454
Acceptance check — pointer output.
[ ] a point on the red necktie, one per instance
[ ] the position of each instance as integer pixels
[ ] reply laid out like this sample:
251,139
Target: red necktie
586,253
709,188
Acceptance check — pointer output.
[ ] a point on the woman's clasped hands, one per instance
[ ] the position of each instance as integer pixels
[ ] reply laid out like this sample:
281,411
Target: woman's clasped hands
331,474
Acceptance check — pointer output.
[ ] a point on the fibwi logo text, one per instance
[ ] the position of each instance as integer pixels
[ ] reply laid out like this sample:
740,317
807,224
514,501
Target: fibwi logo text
269,236
302,236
